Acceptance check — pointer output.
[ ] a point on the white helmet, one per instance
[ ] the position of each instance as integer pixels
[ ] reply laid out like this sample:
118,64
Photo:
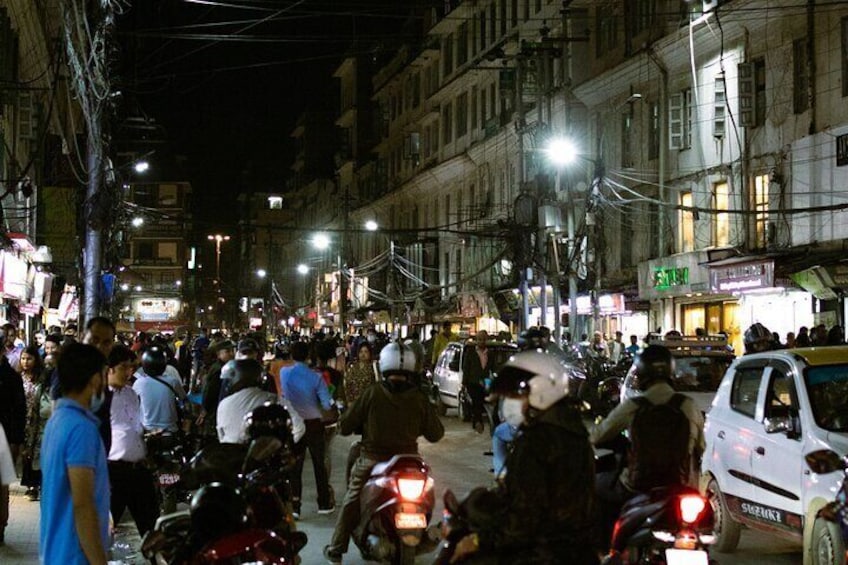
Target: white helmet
544,378
397,359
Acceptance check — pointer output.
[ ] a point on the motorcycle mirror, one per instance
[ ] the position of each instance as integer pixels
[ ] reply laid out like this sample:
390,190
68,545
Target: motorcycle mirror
451,502
824,461
262,448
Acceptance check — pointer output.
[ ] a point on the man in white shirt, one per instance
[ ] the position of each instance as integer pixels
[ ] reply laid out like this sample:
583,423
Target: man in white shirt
615,348
159,387
244,396
133,485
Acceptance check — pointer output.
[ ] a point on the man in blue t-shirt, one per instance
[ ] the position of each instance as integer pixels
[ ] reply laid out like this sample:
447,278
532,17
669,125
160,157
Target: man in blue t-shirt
75,491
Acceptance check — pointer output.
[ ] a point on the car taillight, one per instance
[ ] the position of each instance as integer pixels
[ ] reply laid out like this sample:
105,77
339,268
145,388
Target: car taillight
691,507
411,489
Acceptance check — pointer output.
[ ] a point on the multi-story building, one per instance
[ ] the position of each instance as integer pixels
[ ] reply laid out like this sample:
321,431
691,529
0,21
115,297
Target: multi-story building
156,285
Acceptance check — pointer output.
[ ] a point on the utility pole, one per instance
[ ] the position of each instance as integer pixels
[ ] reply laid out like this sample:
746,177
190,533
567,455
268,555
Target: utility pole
522,179
88,43
342,262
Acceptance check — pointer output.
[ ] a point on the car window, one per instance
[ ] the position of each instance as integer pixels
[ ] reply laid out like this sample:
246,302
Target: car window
746,386
699,373
781,401
827,387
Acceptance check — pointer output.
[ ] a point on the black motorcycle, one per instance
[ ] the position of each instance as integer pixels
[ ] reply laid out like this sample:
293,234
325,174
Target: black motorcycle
397,504
167,454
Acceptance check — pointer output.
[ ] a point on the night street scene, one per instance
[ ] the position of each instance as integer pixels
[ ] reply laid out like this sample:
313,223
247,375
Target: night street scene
554,282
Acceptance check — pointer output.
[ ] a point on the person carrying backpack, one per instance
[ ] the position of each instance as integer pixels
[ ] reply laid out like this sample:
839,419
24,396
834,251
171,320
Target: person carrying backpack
666,432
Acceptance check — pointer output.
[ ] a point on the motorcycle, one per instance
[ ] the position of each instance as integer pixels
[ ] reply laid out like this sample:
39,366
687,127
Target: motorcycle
831,539
668,525
167,454
269,534
397,504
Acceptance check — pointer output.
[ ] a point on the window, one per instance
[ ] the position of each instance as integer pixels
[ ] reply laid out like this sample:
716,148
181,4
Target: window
761,206
687,224
781,400
759,92
538,6
627,140
502,15
845,56
492,101
721,227
644,14
434,140
447,210
526,10
680,120
719,108
654,132
493,19
447,55
483,116
275,202
416,90
447,123
473,108
513,12
460,213
746,387
800,76
482,30
145,250
462,44
607,30
461,114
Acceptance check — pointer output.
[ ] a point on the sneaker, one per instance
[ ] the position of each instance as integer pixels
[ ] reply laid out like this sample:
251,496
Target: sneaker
332,555
328,510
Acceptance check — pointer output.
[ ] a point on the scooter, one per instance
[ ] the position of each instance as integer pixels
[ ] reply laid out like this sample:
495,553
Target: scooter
269,534
397,504
668,525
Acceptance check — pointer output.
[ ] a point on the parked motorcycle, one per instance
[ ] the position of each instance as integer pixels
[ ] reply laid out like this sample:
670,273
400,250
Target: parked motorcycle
830,530
263,529
667,525
397,504
167,454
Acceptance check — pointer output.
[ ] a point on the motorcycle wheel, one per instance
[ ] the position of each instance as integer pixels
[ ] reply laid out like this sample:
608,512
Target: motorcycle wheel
463,407
827,544
727,530
405,554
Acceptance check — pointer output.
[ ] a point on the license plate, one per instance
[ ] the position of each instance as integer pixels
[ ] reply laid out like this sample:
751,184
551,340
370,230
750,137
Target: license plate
167,479
686,557
404,521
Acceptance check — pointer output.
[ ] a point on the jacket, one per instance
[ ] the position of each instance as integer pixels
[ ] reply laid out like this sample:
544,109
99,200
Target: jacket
390,423
547,496
473,372
12,404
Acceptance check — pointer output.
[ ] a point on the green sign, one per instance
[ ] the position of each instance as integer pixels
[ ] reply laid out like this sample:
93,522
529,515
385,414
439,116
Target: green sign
668,277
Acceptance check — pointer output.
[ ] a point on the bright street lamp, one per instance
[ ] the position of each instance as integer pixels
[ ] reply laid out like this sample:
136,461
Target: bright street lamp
137,222
371,225
321,241
261,273
561,151
142,167
218,239
125,287
138,288
302,269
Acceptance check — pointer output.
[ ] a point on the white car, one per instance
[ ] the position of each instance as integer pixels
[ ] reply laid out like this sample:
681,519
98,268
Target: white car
770,411
447,373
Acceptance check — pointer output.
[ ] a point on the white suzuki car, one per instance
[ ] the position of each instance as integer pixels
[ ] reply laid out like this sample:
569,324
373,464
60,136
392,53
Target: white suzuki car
770,411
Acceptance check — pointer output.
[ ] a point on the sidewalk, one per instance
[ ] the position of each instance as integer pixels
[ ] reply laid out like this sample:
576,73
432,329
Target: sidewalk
22,532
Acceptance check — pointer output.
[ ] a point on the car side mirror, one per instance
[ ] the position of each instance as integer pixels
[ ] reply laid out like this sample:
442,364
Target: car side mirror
781,424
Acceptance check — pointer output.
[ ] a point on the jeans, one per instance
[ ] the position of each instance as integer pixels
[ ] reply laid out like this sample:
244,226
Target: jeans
501,442
350,513
330,433
477,396
314,441
133,488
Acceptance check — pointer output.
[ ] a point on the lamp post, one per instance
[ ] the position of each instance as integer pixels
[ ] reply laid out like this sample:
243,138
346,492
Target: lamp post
218,239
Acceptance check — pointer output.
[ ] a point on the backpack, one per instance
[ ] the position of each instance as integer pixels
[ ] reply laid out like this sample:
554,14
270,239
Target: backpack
659,444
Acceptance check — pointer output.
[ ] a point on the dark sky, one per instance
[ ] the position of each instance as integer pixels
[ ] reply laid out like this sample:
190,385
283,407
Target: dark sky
229,106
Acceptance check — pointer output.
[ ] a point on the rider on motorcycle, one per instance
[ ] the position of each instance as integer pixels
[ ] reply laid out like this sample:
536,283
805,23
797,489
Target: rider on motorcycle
758,338
543,512
390,416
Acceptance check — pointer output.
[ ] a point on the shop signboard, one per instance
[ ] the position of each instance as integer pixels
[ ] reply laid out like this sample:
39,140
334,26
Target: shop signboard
608,304
676,275
15,271
156,309
740,277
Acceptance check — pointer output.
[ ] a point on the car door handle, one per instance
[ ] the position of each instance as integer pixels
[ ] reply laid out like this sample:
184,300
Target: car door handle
760,450
721,434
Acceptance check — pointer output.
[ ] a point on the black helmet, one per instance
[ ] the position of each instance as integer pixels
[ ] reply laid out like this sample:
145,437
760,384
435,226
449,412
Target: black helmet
217,509
757,338
270,419
153,361
653,364
246,373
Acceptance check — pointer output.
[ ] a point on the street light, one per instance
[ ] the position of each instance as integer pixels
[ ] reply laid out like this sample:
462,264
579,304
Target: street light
142,167
302,269
321,241
218,239
371,225
561,151
137,222
125,287
261,273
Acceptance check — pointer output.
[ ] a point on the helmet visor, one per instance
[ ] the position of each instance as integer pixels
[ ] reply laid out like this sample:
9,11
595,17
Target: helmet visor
512,381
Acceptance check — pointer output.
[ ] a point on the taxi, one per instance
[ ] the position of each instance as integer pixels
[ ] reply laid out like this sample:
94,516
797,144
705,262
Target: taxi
770,410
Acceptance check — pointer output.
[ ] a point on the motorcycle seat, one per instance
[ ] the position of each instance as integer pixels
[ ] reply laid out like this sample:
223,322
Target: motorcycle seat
406,461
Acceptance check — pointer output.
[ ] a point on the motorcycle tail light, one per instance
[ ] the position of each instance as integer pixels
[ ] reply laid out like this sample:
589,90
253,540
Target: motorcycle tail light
691,507
411,489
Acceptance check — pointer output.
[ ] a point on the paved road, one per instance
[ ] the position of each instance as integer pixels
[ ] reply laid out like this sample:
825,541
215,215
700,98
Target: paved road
458,463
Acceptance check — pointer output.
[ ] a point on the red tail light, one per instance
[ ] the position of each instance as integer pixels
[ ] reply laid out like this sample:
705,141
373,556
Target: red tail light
411,489
691,507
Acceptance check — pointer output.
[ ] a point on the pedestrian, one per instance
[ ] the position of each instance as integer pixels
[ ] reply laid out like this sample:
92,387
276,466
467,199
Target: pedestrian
10,350
224,352
160,389
13,420
245,395
52,344
309,396
790,340
360,375
7,473
615,348
32,375
633,348
475,371
334,379
100,333
428,348
803,337
836,336
133,485
443,338
414,343
75,496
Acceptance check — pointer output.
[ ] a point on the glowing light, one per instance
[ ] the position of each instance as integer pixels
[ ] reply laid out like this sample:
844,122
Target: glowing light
691,507
137,222
561,151
142,167
321,241
371,225
302,269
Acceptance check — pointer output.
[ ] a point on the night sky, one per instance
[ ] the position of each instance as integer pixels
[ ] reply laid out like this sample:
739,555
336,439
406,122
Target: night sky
229,106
